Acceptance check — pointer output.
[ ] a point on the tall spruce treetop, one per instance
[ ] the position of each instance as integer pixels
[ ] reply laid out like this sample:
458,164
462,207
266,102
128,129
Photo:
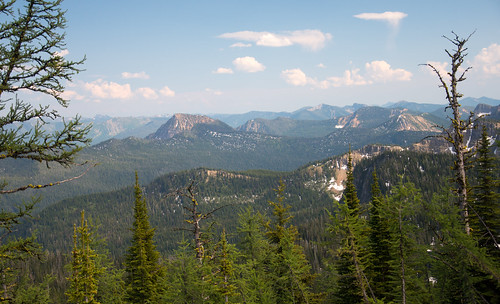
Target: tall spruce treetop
379,243
350,194
142,260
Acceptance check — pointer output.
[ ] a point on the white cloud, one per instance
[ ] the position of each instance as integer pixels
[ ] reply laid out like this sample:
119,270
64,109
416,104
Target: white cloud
321,65
223,71
296,77
310,39
375,71
62,53
488,60
240,44
213,92
140,75
167,92
147,93
248,64
350,78
71,95
393,18
381,71
105,89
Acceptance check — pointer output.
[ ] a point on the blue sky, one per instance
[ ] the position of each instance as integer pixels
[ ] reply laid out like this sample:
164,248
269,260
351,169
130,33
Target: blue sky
162,57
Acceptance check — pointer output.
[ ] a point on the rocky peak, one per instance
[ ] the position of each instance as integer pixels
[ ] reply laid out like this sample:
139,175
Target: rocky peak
181,123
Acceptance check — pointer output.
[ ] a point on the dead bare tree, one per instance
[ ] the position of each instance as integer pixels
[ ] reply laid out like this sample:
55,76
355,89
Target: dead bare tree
194,217
459,126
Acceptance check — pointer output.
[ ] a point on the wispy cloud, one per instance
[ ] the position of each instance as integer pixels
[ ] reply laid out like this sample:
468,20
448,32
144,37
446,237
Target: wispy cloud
248,64
310,39
392,18
139,75
240,45
223,71
375,72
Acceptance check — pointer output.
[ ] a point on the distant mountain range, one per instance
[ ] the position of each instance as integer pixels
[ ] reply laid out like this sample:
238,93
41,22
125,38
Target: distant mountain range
186,141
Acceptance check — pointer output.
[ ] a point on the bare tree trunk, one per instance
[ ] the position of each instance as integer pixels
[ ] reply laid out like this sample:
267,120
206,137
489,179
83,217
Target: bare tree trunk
459,126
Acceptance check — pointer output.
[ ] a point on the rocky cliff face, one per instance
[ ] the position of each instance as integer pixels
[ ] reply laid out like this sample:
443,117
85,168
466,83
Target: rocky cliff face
180,123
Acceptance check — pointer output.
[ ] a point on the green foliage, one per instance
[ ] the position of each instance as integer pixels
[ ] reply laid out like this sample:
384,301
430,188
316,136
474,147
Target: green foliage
458,264
30,293
142,261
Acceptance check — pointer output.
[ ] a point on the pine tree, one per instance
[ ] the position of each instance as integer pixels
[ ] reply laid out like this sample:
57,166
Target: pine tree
142,267
379,244
84,270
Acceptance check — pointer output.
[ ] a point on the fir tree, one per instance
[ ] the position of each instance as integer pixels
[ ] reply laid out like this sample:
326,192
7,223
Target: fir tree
225,269
290,272
142,267
485,215
84,269
352,283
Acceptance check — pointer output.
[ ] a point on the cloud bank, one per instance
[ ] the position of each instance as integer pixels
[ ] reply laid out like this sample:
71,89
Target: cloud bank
375,72
309,39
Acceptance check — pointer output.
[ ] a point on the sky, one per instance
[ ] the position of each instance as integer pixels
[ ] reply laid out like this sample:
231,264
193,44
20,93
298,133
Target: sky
160,57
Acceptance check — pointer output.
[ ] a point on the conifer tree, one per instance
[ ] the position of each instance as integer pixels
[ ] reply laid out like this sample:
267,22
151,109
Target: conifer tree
254,283
352,283
84,269
31,65
485,215
225,269
379,244
142,267
290,271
